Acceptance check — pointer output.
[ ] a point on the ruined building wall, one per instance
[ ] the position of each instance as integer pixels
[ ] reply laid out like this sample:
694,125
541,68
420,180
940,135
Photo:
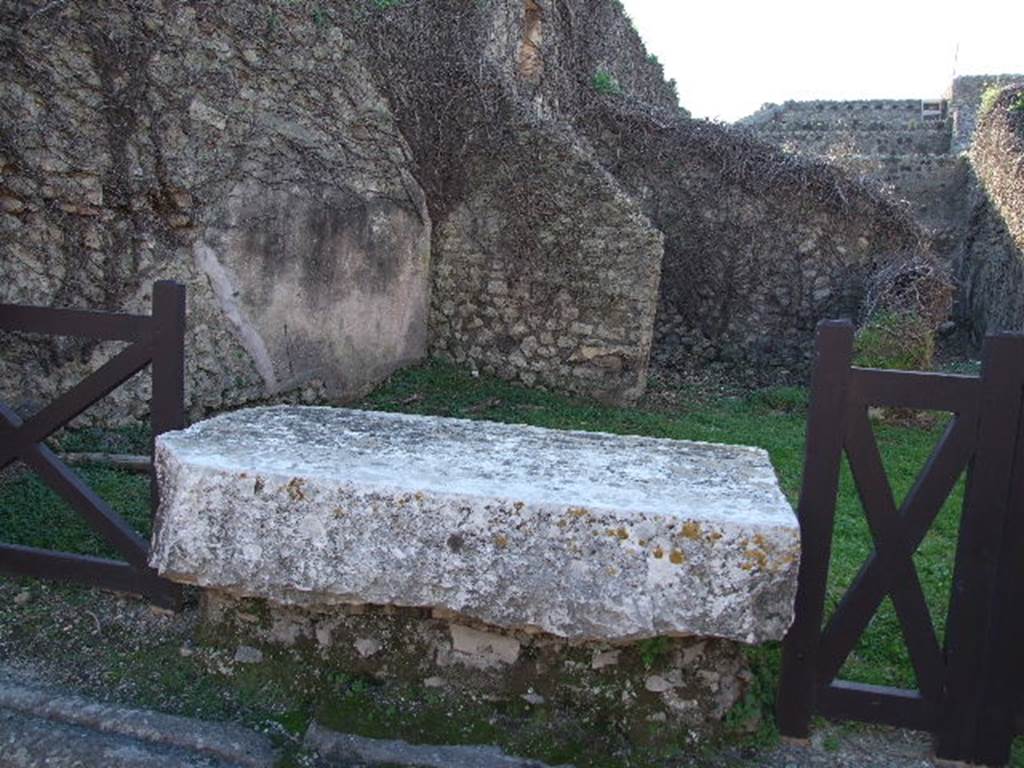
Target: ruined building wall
239,148
751,265
758,248
344,190
544,271
556,288
991,264
965,104
897,144
920,157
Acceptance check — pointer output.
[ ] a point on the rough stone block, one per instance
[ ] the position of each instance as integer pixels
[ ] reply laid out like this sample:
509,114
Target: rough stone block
453,676
583,536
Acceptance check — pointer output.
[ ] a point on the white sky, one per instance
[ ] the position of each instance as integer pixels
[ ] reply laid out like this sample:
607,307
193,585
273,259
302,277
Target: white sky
731,56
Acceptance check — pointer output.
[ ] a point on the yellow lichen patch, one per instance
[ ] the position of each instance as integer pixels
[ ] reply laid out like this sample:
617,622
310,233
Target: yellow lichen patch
294,489
501,541
691,530
578,512
754,558
677,557
339,512
714,536
612,570
659,553
622,533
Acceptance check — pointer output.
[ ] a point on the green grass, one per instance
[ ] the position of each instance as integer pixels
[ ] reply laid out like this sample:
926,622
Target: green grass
773,419
33,515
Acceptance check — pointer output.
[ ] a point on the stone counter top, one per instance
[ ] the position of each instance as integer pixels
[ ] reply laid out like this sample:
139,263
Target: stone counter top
581,535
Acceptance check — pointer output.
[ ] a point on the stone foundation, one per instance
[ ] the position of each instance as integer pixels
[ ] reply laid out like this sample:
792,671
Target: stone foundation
646,697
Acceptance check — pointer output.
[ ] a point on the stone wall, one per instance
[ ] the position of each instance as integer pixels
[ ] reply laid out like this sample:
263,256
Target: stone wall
871,114
239,148
965,103
751,266
931,185
299,171
749,269
902,145
558,289
991,262
826,142
545,271
432,677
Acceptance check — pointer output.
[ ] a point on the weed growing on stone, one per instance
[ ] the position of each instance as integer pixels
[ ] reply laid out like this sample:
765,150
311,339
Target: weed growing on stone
988,99
605,83
653,649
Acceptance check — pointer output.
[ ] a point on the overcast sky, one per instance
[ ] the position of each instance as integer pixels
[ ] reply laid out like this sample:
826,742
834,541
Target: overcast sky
731,56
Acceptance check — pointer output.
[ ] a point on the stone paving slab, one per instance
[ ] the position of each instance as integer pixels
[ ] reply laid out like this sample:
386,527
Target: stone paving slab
31,742
335,746
39,726
580,535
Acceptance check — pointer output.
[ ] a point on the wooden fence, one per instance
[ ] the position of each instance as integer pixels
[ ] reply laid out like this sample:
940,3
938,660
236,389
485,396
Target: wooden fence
969,686
156,340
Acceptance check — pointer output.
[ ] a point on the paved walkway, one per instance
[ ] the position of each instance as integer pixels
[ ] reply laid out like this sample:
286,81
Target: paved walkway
43,727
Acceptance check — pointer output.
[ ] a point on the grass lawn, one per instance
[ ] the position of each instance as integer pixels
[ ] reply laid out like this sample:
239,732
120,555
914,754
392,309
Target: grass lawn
772,419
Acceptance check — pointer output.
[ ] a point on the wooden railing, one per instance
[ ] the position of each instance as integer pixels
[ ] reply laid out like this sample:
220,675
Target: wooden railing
156,340
969,686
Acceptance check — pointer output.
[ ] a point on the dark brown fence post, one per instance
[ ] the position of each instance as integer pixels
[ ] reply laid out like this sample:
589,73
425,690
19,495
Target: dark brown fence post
167,409
816,511
985,625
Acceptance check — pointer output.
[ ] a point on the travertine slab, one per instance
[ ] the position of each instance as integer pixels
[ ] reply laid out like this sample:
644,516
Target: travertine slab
581,535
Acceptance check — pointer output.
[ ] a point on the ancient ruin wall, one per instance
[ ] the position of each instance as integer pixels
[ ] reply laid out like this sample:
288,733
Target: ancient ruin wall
545,270
965,104
558,288
991,266
299,170
237,147
759,246
897,144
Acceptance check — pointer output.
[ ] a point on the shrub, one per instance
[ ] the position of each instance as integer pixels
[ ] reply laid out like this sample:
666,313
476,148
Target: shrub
605,82
905,302
893,340
988,99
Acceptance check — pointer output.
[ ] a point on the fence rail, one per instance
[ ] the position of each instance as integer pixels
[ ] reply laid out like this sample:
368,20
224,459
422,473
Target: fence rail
969,685
156,340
